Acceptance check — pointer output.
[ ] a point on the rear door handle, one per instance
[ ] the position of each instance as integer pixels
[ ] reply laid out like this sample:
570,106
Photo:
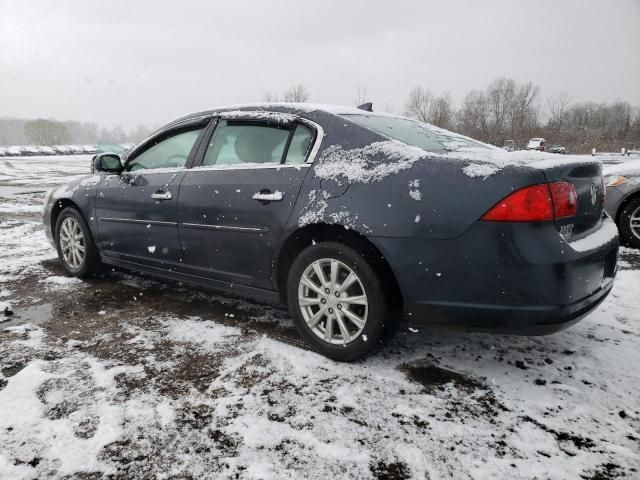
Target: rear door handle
160,195
267,196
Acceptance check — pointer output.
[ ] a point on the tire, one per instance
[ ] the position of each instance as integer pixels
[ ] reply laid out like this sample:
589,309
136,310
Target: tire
629,213
361,337
86,261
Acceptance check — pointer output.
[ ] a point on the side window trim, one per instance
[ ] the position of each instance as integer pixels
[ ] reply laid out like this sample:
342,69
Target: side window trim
285,150
317,133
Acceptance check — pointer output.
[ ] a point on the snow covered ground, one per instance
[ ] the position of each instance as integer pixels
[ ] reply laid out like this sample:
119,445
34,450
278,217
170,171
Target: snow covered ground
125,377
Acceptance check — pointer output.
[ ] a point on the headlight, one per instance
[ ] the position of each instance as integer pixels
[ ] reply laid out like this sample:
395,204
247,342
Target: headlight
615,181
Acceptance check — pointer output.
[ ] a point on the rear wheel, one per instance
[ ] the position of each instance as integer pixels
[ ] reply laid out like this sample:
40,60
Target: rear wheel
75,245
629,223
337,301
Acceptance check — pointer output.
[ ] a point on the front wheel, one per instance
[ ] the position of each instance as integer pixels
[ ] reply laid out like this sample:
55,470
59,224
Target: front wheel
337,301
75,245
629,223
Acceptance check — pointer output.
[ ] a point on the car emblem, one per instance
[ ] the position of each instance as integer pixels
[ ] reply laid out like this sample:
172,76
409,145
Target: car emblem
594,194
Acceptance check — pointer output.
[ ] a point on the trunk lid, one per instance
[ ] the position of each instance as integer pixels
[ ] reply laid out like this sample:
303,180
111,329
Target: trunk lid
586,177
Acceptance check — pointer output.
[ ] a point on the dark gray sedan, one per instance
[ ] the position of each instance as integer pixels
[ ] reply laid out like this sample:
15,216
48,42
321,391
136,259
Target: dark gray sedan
623,199
353,219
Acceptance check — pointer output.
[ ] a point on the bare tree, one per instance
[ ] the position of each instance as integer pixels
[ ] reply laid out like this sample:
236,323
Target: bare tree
296,93
523,111
441,111
361,95
388,108
556,106
271,97
472,116
500,93
419,104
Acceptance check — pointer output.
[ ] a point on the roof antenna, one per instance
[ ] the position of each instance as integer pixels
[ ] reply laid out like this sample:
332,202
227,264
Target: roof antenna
367,107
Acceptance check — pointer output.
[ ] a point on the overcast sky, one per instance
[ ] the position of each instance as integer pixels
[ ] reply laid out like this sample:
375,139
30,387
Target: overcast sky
146,62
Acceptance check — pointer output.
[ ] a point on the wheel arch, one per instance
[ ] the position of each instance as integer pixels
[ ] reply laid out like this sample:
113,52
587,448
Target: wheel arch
58,206
302,237
632,196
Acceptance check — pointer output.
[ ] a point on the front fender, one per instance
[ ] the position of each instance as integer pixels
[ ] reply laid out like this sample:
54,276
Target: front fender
79,194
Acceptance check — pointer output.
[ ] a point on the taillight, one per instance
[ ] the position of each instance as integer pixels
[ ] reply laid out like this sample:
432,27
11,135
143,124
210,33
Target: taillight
565,199
537,203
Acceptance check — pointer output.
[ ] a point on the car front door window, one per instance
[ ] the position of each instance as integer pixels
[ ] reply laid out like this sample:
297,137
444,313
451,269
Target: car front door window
171,152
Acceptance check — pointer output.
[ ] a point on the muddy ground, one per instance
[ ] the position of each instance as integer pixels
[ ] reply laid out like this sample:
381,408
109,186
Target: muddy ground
122,376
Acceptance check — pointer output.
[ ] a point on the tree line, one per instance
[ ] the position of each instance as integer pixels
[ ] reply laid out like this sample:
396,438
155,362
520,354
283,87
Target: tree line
505,110
508,110
18,131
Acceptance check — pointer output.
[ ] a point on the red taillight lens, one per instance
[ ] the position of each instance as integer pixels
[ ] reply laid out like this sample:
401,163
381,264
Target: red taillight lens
529,204
537,203
565,199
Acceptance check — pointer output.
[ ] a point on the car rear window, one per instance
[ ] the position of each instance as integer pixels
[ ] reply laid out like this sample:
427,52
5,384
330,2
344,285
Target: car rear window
415,133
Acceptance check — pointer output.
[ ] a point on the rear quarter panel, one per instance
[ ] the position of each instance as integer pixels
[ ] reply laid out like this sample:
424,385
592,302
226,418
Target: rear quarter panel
431,197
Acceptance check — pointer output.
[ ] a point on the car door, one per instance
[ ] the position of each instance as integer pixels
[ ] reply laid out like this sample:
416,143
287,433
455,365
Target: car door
137,210
235,204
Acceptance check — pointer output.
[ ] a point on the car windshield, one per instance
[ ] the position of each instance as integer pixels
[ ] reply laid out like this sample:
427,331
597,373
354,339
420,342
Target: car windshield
415,133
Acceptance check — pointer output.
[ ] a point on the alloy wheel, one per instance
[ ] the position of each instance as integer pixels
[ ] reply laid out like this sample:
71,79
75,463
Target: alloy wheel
72,243
333,301
634,222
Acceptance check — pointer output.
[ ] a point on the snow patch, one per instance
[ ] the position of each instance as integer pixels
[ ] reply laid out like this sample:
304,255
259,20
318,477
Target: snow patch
368,164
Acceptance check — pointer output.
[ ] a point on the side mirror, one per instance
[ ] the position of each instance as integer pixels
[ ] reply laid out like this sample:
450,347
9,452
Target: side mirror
107,162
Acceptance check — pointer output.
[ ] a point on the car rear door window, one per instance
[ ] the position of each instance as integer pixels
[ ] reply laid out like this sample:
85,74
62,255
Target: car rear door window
171,152
239,142
300,145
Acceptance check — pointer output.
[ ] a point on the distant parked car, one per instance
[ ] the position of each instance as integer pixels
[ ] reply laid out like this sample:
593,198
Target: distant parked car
350,218
47,151
31,150
62,149
14,151
623,199
558,149
536,144
89,149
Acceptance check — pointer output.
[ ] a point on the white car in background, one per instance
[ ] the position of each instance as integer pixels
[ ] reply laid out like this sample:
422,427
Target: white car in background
536,144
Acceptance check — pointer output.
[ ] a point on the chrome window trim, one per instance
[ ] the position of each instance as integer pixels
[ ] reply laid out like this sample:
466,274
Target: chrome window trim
307,163
316,144
247,166
156,171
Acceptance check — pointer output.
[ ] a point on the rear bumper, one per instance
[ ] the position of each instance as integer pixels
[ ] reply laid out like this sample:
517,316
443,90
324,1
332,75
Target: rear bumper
505,278
522,320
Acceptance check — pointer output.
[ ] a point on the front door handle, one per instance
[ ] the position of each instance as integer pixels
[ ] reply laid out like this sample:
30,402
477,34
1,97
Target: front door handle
267,196
160,195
